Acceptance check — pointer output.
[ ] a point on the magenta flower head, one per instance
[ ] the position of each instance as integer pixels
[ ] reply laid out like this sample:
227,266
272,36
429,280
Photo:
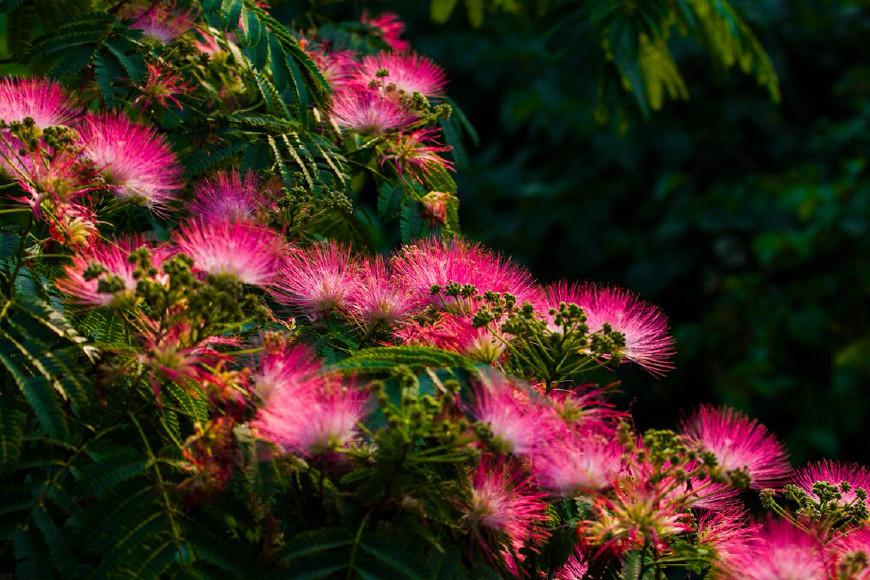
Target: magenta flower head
727,534
511,421
434,262
578,463
306,412
855,543
457,333
162,21
376,299
391,28
647,339
739,442
318,280
136,162
337,67
109,263
227,196
416,154
575,568
42,100
246,252
401,74
836,473
779,551
288,368
367,111
505,508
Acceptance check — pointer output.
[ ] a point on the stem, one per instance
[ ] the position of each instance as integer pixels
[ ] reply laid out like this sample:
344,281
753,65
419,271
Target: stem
353,549
152,459
19,256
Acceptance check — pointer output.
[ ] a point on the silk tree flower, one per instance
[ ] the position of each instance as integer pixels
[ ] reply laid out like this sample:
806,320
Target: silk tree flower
836,473
285,368
136,162
647,339
415,153
401,74
108,262
456,333
584,409
175,354
634,514
574,569
42,100
249,253
848,548
738,443
376,299
391,28
513,425
504,508
227,196
577,463
336,66
307,412
727,534
435,262
367,111
163,86
779,551
162,21
319,280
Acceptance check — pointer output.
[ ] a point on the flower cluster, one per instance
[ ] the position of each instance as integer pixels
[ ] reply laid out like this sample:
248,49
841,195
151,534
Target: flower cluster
435,395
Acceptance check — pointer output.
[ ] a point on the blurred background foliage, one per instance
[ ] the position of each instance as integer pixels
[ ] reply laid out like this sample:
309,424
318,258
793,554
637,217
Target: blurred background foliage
741,209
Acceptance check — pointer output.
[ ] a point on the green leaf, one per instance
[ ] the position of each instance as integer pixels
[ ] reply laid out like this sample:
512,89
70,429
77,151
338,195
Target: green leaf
12,420
440,10
382,358
394,562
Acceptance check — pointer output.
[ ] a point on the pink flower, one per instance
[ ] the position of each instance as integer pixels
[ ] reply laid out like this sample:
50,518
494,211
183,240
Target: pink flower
288,368
855,542
376,298
515,425
455,333
645,328
585,411
367,111
337,67
504,507
161,21
727,534
227,196
739,442
113,258
42,100
175,353
163,86
573,463
307,412
136,161
391,28
835,473
397,74
246,252
435,262
415,154
574,569
318,280
779,551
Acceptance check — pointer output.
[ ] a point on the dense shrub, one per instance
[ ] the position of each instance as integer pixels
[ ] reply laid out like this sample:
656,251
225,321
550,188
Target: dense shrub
211,368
